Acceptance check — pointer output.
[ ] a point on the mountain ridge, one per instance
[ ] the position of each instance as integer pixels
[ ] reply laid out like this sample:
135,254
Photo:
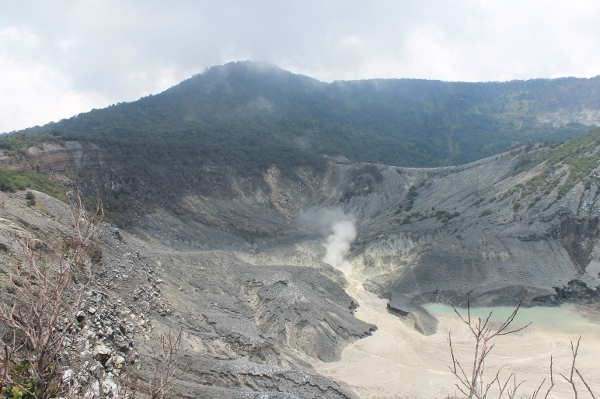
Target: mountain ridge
403,122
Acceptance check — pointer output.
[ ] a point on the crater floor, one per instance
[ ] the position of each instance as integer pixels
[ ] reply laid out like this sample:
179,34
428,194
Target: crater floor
399,362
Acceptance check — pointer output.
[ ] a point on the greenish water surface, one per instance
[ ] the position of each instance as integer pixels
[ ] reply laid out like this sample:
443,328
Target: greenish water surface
560,319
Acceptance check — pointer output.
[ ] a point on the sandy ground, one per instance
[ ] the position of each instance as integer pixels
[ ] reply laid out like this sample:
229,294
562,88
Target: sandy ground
398,362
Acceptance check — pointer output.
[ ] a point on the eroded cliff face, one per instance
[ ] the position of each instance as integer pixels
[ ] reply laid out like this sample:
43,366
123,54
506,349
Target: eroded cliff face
492,248
241,268
53,158
585,116
421,233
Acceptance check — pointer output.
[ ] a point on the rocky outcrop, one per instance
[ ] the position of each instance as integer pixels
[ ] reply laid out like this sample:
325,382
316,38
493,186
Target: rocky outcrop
246,328
585,116
575,291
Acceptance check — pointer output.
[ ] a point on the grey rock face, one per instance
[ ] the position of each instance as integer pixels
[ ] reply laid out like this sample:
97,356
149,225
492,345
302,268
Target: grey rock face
211,378
492,250
245,327
469,230
245,282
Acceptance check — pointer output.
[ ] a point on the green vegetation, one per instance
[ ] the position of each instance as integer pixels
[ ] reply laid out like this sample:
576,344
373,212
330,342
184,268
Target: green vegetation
369,169
442,216
409,202
250,117
12,181
478,201
485,213
411,195
362,181
242,118
17,144
30,197
23,380
445,216
563,167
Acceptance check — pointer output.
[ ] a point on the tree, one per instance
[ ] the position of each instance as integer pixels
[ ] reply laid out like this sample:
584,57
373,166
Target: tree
30,197
471,381
47,293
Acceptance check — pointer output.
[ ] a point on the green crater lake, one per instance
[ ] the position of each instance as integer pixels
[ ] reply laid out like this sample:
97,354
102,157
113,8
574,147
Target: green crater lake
560,319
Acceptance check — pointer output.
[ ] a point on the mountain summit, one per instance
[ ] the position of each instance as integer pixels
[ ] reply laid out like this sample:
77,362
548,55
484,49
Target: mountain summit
256,114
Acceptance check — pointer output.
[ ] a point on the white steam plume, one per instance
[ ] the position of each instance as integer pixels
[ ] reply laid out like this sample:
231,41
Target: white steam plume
341,232
338,245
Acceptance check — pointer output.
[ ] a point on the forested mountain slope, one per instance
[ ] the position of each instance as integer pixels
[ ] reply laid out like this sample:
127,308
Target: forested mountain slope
252,115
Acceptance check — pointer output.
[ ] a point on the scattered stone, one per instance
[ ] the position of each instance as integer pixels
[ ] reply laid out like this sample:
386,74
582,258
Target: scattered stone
109,387
93,390
101,352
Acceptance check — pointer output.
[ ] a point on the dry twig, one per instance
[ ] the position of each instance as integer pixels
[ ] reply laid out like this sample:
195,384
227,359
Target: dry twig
48,294
471,381
165,371
574,370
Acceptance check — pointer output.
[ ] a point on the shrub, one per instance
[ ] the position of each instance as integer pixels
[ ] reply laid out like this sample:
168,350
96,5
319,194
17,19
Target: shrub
30,197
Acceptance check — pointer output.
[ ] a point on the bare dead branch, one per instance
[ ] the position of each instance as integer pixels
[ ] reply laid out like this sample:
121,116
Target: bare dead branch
585,383
483,332
551,379
48,293
166,370
574,350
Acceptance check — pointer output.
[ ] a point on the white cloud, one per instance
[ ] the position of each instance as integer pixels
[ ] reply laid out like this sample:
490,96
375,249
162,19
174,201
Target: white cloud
33,92
63,57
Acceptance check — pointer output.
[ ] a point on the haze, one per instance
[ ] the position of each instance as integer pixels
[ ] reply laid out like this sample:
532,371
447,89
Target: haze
64,57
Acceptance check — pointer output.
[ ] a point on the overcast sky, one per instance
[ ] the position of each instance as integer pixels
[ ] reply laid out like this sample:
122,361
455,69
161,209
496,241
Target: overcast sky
62,57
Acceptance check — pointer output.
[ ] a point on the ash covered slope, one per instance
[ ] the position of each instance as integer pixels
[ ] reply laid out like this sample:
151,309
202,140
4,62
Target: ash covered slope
524,218
519,220
243,273
245,327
